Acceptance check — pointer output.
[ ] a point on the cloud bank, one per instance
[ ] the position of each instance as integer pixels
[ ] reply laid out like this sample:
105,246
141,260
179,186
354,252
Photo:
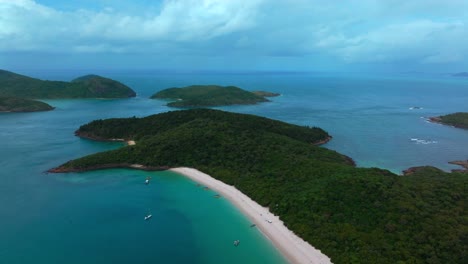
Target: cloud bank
365,31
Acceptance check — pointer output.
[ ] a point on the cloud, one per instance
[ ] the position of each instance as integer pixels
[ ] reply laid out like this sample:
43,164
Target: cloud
374,31
26,25
347,32
421,39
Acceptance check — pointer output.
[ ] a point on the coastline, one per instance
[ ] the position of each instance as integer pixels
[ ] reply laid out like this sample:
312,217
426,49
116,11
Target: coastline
438,120
294,248
323,141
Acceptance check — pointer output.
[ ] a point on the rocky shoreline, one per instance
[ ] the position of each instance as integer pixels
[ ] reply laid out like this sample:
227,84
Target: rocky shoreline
323,141
85,135
463,163
458,120
63,169
435,119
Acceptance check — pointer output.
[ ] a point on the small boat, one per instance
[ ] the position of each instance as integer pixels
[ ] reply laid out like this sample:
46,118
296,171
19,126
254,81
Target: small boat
252,225
236,242
147,180
148,216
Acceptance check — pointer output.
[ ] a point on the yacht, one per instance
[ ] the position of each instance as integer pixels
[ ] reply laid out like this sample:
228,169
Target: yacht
148,216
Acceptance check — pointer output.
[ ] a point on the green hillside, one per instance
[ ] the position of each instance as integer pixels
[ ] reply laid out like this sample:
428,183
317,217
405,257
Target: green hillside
208,95
457,120
91,86
354,215
12,104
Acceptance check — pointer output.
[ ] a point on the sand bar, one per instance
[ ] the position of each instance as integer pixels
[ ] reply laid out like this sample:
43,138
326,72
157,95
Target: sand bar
294,248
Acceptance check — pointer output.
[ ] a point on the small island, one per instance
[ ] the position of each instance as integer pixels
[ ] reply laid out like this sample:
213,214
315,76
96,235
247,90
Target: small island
459,120
210,95
12,104
460,74
365,215
89,86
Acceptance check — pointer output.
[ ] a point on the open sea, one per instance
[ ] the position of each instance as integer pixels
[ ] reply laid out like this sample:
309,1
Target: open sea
98,217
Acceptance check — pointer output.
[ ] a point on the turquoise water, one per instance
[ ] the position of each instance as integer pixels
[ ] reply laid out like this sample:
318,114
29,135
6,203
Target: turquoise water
97,217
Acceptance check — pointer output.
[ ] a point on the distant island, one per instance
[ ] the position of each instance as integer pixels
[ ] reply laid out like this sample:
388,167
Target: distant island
365,215
459,120
89,86
211,95
12,104
460,74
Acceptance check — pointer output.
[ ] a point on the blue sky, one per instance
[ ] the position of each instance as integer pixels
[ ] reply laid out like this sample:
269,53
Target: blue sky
304,35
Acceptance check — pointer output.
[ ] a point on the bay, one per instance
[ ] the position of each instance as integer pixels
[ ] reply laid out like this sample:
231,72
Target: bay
97,217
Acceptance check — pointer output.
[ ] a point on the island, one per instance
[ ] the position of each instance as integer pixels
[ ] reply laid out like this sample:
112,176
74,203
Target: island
362,215
210,95
89,86
12,104
459,120
266,94
460,74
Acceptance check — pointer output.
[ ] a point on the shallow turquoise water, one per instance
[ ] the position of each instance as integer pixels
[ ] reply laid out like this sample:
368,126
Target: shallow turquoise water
97,217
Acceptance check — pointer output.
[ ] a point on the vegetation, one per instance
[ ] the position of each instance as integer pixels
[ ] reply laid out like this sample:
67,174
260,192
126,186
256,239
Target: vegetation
12,104
208,95
90,86
266,94
457,120
354,215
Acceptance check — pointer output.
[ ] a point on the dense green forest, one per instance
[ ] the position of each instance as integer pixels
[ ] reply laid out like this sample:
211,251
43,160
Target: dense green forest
266,94
90,86
457,120
12,104
208,95
354,215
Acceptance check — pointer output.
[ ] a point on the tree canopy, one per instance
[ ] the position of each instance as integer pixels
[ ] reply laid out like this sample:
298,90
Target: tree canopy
459,119
12,104
90,86
353,215
208,95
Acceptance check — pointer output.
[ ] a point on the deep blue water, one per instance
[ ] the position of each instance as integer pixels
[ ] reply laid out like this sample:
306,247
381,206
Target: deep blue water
97,217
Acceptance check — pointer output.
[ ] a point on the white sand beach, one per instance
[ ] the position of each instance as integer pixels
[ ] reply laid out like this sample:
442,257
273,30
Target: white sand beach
131,142
295,249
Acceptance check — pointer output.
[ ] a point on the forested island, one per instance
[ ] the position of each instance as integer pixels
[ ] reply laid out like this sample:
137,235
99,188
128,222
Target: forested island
211,95
12,104
89,86
459,120
353,215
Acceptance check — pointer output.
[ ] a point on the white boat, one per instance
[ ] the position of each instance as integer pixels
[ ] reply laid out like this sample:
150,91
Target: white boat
148,216
236,242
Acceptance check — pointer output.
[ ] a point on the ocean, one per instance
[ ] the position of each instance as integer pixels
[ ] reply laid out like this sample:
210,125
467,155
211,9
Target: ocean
98,217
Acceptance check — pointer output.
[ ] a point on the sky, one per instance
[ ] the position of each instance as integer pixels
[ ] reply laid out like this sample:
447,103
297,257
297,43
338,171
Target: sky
265,35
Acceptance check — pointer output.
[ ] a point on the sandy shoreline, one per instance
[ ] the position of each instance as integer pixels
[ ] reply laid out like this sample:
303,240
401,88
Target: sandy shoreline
291,246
